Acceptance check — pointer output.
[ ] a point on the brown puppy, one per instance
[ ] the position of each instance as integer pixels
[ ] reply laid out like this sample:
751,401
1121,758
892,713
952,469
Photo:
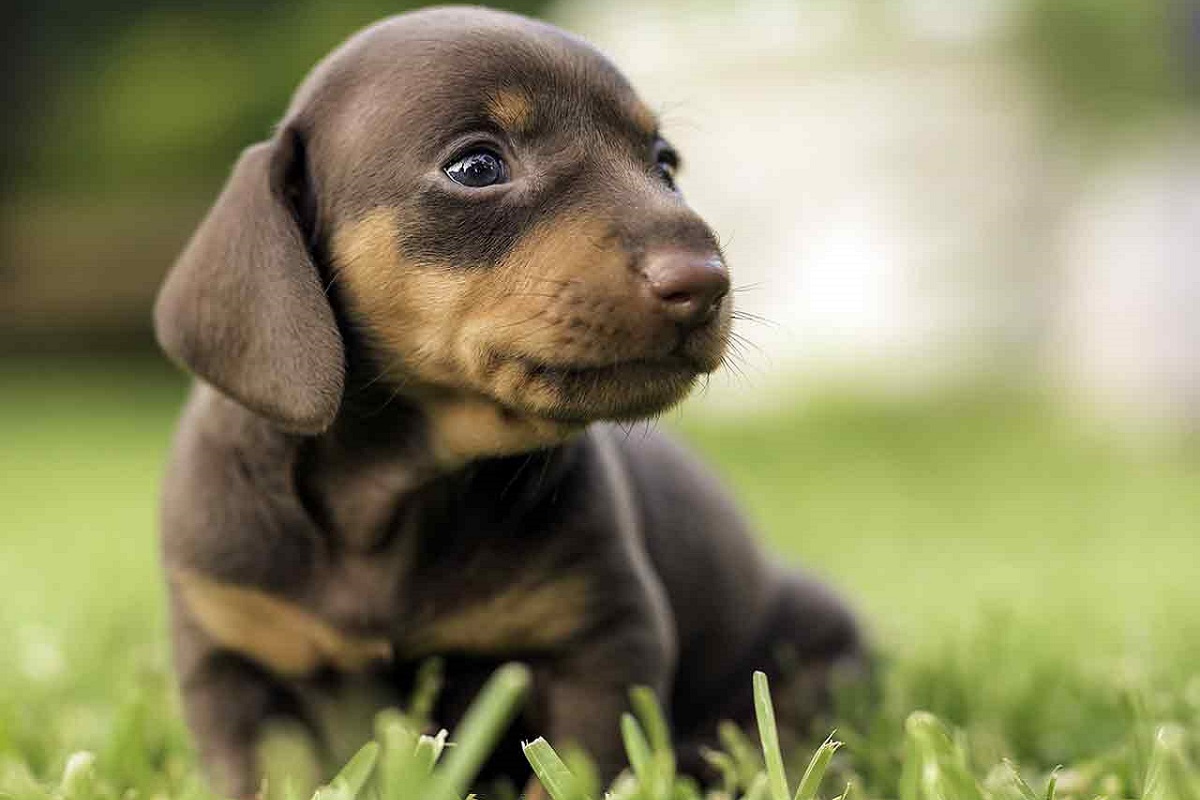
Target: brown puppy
461,247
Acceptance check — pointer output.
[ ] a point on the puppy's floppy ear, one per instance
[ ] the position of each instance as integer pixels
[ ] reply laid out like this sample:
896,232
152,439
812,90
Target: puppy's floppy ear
243,308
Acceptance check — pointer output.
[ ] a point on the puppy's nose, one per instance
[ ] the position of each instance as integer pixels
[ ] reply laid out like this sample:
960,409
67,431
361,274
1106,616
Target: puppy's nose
687,286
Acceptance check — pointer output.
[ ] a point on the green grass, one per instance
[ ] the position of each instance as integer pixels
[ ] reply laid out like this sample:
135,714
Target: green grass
1030,583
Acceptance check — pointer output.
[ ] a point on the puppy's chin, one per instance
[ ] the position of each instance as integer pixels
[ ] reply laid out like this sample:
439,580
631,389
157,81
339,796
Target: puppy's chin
622,391
539,405
582,390
500,398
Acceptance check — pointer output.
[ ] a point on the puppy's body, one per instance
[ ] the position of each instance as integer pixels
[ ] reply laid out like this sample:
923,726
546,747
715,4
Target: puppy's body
402,344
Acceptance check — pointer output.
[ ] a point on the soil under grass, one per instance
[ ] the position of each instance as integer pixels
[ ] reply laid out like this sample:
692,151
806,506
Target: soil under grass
1032,584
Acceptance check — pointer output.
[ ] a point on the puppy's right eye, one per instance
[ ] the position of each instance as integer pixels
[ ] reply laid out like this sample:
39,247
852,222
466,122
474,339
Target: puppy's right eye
477,169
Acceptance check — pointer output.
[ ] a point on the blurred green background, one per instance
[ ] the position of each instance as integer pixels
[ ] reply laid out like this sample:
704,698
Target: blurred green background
1024,561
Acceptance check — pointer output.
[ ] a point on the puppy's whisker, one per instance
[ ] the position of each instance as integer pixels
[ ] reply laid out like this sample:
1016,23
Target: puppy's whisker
739,341
391,398
521,322
523,295
730,361
738,353
550,280
378,377
746,316
385,371
758,367
516,474
542,475
333,276
533,332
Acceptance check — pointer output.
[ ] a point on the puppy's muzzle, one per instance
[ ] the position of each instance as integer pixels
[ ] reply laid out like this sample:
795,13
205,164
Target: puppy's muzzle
685,286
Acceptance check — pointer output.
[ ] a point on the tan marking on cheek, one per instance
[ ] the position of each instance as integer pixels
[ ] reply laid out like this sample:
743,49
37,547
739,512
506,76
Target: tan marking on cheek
511,108
424,315
413,309
369,269
565,249
566,277
277,634
522,617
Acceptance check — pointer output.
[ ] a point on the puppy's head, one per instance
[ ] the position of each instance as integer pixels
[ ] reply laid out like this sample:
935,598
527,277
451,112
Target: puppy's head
494,209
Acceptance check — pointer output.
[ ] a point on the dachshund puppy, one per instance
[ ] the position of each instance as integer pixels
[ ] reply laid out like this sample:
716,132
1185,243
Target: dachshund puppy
412,314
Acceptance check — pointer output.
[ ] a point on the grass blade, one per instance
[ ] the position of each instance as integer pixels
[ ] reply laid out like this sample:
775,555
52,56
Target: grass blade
637,748
485,721
1052,784
1171,775
558,780
769,734
724,765
935,765
583,769
428,751
401,772
654,722
426,689
349,782
816,770
79,777
745,755
1027,792
649,712
759,788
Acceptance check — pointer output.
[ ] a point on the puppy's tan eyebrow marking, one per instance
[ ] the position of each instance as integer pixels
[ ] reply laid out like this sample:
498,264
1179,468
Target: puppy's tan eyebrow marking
643,118
512,109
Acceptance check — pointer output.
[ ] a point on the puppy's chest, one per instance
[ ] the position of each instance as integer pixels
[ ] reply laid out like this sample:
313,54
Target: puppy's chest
361,612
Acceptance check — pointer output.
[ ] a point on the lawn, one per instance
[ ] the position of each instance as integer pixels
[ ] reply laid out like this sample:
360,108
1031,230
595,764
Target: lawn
1030,581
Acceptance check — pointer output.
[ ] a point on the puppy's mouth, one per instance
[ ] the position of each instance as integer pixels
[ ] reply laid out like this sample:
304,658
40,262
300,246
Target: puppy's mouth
622,390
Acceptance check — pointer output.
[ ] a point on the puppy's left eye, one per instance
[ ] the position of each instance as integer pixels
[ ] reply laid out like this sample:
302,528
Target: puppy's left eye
477,169
666,163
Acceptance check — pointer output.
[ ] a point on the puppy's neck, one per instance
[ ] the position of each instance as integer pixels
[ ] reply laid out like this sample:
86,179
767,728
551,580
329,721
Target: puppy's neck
361,475
357,476
466,428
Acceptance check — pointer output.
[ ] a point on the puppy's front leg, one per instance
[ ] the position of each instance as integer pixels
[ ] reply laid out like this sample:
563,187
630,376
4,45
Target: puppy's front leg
584,696
227,700
587,715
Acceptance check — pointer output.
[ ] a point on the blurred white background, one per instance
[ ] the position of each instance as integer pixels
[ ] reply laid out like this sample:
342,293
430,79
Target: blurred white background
908,205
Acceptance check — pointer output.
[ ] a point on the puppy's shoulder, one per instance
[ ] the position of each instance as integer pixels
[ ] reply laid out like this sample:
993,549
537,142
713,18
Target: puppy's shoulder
228,507
682,501
663,468
701,545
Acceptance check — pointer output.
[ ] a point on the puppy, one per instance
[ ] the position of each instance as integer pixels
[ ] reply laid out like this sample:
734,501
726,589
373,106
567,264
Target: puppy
410,313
